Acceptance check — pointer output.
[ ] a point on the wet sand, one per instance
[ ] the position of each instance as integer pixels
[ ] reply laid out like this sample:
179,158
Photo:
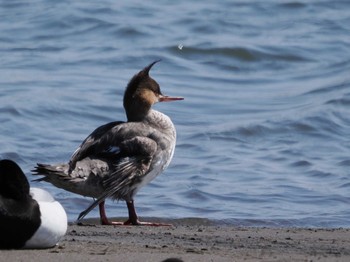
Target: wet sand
191,240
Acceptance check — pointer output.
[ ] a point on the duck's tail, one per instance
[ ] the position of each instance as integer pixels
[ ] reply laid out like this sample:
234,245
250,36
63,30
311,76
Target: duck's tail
50,170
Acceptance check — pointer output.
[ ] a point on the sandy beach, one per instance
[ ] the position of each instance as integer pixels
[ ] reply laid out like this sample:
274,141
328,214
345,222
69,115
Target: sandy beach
191,240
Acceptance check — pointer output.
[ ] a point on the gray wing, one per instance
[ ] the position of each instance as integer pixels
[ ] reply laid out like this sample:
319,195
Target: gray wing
96,142
129,171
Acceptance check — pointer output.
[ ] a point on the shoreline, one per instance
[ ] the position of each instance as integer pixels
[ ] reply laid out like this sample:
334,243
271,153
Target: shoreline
191,240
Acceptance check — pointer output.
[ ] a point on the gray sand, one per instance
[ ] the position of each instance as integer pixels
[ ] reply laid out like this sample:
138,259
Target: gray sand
191,240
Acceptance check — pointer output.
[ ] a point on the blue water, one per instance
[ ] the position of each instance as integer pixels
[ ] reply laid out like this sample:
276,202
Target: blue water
263,132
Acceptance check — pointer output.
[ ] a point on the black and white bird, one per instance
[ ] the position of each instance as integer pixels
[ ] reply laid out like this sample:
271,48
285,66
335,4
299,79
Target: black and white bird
118,158
29,217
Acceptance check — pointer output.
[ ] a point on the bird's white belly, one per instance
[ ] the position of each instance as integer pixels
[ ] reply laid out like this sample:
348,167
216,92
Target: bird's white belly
53,221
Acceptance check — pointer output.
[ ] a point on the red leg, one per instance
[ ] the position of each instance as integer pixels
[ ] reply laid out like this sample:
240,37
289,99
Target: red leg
134,220
103,217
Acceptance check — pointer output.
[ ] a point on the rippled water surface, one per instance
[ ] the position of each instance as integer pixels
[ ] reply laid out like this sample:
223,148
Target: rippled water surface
263,132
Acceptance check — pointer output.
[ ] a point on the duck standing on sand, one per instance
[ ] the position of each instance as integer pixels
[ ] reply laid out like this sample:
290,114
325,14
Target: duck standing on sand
118,158
29,217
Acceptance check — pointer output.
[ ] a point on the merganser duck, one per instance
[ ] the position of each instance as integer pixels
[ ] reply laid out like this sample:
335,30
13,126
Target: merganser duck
118,158
29,217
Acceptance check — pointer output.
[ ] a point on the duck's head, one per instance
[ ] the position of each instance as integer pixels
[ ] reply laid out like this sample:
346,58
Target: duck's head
13,182
141,93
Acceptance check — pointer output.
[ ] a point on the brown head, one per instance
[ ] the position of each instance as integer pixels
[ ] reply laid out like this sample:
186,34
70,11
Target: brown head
141,93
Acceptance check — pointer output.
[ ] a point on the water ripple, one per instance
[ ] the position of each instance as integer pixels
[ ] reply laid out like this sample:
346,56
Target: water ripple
262,132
